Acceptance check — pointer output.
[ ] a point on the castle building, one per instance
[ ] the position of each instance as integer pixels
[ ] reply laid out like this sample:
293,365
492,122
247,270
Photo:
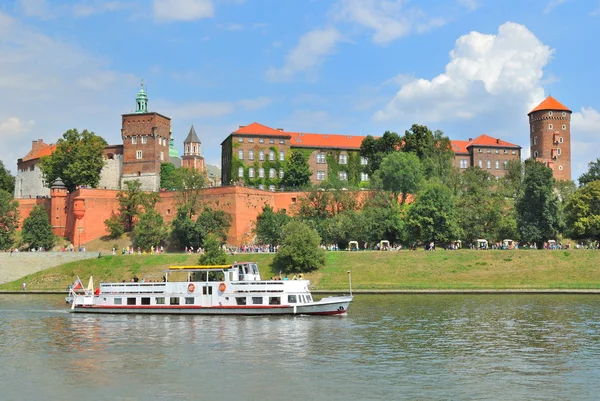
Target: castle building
550,136
192,158
490,154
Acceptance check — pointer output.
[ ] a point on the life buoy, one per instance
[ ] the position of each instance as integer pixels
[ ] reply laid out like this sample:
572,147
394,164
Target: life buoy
222,287
191,287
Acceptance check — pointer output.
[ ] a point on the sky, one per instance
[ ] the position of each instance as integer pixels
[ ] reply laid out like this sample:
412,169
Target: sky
354,67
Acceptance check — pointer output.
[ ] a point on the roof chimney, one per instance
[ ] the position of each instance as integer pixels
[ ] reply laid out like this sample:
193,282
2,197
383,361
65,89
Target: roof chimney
242,126
498,140
470,139
280,129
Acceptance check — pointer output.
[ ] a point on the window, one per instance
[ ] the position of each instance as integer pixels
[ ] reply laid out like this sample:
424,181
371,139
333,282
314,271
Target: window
480,164
489,150
271,155
505,151
160,301
505,163
364,177
281,156
560,140
271,140
261,173
241,140
343,159
489,164
251,140
532,128
240,300
363,161
282,141
189,300
261,140
564,113
241,172
272,188
261,155
343,175
480,150
118,301
550,113
131,301
250,155
497,151
464,163
281,173
134,140
274,300
497,164
550,126
206,290
560,168
143,140
535,140
321,158
257,300
174,301
514,152
558,151
535,154
320,175
162,155
241,154
272,173
251,172
145,301
138,154
292,299
261,187
564,127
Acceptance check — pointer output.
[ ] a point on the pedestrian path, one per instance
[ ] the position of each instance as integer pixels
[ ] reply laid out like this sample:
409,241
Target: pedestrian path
17,265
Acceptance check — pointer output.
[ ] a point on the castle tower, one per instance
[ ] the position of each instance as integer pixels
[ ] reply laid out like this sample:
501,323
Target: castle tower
146,137
192,157
550,136
58,207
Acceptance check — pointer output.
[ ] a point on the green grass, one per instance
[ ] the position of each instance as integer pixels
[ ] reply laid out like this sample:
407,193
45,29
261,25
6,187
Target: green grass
465,269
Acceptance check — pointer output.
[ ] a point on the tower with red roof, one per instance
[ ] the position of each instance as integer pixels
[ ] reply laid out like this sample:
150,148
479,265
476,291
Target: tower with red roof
550,136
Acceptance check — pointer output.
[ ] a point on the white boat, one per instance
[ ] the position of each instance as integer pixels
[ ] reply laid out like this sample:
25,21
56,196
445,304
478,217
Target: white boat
235,289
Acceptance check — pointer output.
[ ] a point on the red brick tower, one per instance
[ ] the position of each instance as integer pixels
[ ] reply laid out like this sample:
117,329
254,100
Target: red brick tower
146,137
192,158
550,136
58,207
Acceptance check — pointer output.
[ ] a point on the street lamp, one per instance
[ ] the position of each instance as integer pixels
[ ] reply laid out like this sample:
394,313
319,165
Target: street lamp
79,229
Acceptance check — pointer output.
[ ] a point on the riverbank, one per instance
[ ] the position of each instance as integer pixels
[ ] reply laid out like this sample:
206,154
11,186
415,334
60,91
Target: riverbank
19,264
372,272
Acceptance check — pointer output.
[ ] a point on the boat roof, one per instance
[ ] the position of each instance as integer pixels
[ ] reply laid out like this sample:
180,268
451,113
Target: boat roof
206,267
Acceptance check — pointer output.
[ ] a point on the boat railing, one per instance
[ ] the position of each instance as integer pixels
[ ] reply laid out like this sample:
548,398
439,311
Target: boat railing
123,288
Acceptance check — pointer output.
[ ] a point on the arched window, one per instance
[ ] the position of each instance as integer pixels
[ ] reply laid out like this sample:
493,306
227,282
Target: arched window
250,155
281,156
241,154
261,173
251,172
271,155
241,172
261,155
271,173
281,173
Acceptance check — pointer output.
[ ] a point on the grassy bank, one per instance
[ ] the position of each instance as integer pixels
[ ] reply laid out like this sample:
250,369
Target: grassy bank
465,269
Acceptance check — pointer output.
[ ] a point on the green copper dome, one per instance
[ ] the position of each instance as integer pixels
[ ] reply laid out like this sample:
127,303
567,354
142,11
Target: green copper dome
141,100
172,151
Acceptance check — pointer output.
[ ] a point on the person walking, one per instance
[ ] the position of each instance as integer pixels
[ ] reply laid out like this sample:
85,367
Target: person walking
24,286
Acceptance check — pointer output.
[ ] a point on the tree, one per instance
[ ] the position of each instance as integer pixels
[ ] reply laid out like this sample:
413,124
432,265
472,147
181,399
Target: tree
149,230
132,202
300,250
37,231
185,231
7,180
564,189
213,252
432,148
583,212
168,176
380,218
418,140
374,150
511,185
592,174
216,222
9,219
297,172
433,216
268,225
401,174
77,160
189,184
538,210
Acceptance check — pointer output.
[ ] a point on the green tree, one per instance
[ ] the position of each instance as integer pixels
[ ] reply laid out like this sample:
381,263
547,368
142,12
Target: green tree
374,150
168,176
564,189
511,185
419,140
216,222
380,219
189,184
7,180
592,174
300,250
401,174
433,216
269,224
9,219
185,231
37,231
150,230
438,162
538,210
297,172
583,212
77,160
132,202
213,252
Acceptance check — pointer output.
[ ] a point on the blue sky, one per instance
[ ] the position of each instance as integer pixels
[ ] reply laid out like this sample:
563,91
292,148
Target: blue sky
359,67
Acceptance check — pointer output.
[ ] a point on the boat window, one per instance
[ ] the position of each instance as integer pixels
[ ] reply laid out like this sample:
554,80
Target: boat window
292,299
189,300
308,298
145,301
160,301
216,276
206,290
118,301
174,301
202,276
240,300
274,300
257,300
131,301
254,268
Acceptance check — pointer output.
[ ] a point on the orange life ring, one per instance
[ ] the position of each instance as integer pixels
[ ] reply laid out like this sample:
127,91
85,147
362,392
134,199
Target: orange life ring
191,287
222,287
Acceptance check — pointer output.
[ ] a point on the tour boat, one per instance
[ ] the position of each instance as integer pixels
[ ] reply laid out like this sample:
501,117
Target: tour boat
235,289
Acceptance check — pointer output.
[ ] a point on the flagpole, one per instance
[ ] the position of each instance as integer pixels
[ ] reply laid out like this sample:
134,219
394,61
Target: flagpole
350,281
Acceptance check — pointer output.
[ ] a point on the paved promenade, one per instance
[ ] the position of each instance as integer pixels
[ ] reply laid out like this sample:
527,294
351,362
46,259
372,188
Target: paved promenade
23,263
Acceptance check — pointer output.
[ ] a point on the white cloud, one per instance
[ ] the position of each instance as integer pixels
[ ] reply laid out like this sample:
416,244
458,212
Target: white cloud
308,53
469,4
585,129
552,5
183,10
587,122
85,9
256,103
35,8
42,9
389,19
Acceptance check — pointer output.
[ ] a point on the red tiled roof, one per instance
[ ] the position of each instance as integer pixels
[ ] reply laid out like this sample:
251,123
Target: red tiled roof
550,103
486,140
47,150
460,147
259,129
302,140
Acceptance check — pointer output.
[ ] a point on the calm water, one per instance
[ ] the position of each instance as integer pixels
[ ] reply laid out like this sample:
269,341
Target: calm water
467,347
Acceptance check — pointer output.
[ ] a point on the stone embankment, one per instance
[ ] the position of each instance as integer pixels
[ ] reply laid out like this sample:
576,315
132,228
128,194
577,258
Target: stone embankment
17,265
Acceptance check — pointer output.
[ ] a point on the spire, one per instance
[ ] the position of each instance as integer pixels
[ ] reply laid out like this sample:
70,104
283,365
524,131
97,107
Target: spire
192,137
141,100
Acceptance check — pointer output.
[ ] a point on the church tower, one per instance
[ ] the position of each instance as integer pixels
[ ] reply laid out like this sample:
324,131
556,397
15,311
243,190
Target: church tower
192,158
550,136
146,136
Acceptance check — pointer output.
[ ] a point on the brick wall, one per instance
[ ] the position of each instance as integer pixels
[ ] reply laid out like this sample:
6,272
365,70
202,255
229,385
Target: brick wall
550,133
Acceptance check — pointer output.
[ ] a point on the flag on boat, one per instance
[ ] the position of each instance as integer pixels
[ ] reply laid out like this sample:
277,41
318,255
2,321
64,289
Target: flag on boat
78,284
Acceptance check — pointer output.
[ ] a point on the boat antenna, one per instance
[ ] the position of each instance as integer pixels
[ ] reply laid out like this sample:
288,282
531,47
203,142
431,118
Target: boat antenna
350,281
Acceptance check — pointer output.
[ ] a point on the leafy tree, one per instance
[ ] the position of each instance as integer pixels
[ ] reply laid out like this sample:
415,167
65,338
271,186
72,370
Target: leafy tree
433,149
9,219
216,222
374,150
380,219
115,225
297,172
269,224
213,252
433,216
77,160
583,212
342,228
401,174
7,180
168,176
185,231
149,230
564,189
37,231
300,250
418,140
132,202
511,185
592,174
189,184
538,210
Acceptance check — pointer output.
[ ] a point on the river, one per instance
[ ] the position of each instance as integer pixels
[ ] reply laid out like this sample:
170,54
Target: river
427,347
